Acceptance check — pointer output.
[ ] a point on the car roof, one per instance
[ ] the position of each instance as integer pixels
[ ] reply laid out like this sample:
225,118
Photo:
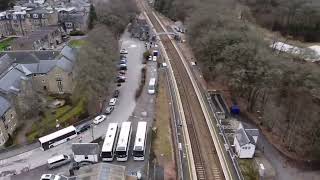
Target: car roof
55,158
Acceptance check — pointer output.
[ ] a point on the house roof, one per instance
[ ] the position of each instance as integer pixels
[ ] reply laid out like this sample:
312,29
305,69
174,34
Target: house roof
85,148
242,137
4,105
69,53
10,80
5,62
27,57
252,132
43,67
65,64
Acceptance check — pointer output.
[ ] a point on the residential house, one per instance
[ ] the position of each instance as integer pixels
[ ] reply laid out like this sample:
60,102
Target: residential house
45,71
73,19
23,20
8,120
88,152
48,37
245,142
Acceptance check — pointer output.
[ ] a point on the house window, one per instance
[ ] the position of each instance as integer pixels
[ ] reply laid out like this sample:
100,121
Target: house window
60,87
35,16
86,157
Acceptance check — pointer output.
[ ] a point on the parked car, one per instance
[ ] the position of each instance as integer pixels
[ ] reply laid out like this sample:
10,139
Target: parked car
113,101
99,119
109,109
120,79
123,51
52,177
116,93
123,61
83,127
58,161
123,56
122,72
149,58
122,67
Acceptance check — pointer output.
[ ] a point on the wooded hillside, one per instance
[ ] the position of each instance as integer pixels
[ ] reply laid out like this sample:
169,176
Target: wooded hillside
285,92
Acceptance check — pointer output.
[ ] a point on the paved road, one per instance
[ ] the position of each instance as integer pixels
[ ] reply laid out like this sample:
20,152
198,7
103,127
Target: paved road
36,157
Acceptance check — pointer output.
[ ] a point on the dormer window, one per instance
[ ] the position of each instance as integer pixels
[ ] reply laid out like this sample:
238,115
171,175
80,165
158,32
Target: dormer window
35,15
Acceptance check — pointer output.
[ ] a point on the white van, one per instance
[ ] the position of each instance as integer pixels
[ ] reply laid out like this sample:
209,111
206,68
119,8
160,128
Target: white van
57,161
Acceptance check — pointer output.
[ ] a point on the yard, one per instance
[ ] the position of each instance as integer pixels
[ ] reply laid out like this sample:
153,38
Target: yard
6,43
64,116
77,43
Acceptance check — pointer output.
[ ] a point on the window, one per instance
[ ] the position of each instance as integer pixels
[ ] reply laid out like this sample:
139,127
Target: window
248,147
11,115
28,15
60,87
86,157
35,15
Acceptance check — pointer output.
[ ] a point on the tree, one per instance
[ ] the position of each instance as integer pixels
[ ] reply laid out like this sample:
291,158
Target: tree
92,17
5,4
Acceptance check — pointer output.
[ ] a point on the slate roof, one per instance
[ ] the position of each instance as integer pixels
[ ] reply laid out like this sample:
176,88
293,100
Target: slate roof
242,137
11,80
27,57
5,62
65,64
85,148
252,132
69,53
43,67
4,105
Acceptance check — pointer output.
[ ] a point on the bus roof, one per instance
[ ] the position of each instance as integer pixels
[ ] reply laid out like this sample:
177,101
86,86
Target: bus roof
57,134
124,135
152,81
110,137
140,135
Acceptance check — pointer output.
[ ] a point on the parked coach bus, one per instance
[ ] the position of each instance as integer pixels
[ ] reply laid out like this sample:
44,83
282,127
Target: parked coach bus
110,142
139,147
58,137
123,142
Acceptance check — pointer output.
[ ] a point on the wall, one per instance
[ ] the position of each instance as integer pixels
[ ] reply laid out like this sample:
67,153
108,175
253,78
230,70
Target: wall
3,133
10,120
91,158
40,82
66,80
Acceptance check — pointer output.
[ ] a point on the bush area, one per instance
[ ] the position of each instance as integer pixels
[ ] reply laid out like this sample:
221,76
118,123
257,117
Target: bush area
6,43
66,115
297,18
76,33
142,82
248,169
285,92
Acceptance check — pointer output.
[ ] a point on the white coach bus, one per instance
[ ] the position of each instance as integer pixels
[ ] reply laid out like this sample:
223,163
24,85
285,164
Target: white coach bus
123,142
58,137
140,141
109,143
152,86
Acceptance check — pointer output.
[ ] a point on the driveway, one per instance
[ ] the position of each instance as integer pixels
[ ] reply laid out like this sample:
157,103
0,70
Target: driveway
126,104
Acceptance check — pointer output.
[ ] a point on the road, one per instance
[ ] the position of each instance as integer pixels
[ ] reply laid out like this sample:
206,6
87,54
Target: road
36,157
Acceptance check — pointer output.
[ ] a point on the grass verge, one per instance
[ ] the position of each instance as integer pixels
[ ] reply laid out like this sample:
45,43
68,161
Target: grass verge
162,145
6,43
77,43
248,169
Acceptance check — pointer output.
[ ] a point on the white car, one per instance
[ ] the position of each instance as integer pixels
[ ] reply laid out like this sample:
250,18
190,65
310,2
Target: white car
113,101
123,51
99,119
50,177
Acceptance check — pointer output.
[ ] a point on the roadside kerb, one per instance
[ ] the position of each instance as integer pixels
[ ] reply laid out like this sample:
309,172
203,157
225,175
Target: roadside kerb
213,132
192,170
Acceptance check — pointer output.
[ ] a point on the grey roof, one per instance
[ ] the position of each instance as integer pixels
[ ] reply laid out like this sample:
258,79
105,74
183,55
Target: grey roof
4,105
69,53
65,64
43,67
10,80
252,132
85,148
5,62
27,57
242,137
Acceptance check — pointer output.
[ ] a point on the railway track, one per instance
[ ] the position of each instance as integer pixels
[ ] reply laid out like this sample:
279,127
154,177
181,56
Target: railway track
206,161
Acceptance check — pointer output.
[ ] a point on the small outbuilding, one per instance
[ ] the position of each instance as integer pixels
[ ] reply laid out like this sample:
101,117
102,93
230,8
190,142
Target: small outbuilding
245,142
86,152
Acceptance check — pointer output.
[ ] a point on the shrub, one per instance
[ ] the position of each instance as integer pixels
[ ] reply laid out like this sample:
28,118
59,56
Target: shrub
142,82
76,33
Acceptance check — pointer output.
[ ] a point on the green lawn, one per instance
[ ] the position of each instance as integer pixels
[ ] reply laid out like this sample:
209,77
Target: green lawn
77,43
66,115
6,43
248,169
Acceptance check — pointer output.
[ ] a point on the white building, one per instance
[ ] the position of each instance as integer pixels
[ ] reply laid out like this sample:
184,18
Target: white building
86,152
245,142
